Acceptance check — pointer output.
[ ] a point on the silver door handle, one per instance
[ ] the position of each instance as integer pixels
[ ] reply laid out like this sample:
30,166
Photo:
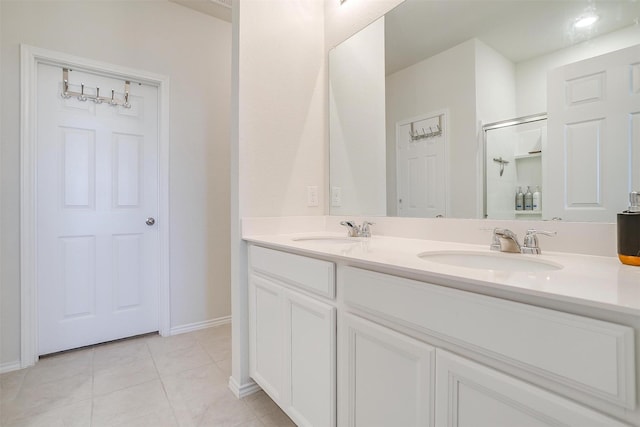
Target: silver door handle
150,221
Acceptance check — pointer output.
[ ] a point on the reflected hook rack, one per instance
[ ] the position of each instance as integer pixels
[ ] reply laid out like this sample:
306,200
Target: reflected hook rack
416,136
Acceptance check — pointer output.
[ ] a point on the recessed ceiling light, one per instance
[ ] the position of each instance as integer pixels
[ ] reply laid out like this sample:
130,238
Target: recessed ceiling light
586,21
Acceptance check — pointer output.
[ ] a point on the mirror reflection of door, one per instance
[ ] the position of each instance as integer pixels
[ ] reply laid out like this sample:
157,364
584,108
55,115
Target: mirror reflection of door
421,166
594,124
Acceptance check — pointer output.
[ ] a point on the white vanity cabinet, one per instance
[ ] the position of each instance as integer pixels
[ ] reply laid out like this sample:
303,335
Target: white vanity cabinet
347,346
292,333
385,378
469,394
588,359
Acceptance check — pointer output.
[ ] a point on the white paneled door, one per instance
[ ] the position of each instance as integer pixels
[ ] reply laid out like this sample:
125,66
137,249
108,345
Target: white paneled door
97,199
421,169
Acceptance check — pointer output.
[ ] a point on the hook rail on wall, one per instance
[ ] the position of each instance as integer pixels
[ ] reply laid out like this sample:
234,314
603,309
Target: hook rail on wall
82,96
416,136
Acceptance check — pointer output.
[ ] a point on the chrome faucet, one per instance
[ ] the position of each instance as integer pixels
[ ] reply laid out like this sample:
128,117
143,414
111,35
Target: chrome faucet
505,240
354,230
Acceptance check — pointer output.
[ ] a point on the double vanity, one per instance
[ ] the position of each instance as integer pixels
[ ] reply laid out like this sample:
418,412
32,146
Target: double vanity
390,331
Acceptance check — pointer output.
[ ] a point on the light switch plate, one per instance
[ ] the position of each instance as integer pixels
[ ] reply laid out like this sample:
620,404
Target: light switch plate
312,196
336,196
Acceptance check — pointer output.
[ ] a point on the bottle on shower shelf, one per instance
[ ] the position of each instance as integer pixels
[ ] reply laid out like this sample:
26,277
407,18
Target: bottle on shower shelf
519,199
528,200
537,199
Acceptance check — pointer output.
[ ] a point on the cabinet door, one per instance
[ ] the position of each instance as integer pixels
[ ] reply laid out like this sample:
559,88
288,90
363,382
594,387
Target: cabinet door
266,332
311,378
471,395
386,378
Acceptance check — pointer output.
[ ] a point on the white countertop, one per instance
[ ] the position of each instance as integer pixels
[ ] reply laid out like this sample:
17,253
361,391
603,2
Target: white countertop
595,281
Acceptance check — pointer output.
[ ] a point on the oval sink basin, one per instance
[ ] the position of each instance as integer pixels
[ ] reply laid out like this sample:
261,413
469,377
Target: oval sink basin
490,261
328,240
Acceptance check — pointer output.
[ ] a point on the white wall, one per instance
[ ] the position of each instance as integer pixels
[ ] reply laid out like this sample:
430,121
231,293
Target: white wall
194,50
357,123
495,85
531,75
496,101
282,103
444,81
344,20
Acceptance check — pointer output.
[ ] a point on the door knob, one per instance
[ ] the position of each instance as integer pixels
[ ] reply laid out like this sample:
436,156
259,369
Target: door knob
150,221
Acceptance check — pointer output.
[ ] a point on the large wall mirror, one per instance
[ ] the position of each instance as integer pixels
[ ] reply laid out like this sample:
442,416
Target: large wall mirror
445,108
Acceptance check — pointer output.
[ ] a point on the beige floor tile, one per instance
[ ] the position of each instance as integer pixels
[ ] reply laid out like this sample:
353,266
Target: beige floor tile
37,399
75,415
60,366
218,350
191,392
277,419
124,375
164,418
181,359
225,366
148,381
160,345
227,413
252,423
124,407
261,404
119,353
10,384
222,332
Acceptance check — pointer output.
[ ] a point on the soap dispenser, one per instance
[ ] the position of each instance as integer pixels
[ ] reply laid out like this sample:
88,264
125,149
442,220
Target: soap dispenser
629,232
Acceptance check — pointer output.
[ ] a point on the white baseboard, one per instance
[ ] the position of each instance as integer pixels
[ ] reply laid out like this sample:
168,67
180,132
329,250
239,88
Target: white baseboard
243,390
190,327
10,366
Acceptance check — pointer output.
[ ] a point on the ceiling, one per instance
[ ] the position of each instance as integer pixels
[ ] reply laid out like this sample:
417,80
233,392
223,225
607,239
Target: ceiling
518,29
220,9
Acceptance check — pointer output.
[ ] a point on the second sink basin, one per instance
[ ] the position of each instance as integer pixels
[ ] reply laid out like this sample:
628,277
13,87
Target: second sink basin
490,261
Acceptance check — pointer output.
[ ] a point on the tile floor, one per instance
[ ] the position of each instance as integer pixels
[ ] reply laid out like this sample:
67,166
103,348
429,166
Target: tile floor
145,381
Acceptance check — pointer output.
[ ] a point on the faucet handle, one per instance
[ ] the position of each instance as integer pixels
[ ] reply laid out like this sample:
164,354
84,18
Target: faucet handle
530,245
365,230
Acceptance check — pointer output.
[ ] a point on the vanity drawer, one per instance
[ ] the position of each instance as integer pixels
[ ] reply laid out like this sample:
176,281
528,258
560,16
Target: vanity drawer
307,273
589,355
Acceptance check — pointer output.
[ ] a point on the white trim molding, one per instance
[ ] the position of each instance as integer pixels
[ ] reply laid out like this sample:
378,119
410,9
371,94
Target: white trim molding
190,327
10,366
243,390
30,57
